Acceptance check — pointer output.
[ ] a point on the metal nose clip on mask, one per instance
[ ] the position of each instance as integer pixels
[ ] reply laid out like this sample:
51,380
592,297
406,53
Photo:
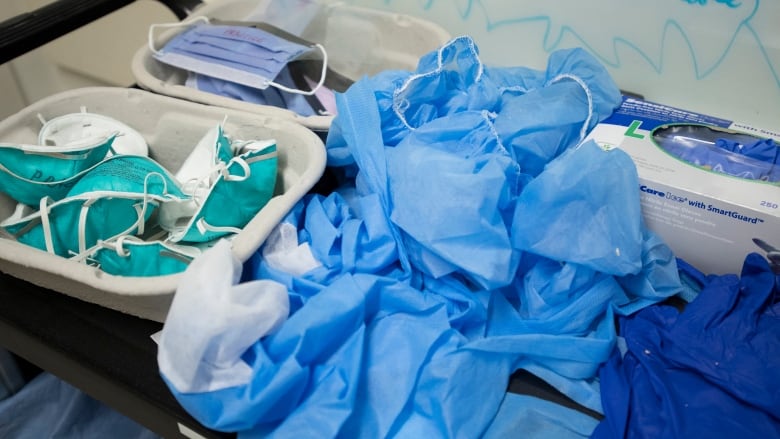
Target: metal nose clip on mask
245,55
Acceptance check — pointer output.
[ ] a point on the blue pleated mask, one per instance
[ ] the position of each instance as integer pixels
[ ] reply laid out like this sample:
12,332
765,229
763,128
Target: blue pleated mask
244,55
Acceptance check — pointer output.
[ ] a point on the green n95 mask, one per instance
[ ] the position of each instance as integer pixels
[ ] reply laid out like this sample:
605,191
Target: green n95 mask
115,198
226,190
130,256
29,173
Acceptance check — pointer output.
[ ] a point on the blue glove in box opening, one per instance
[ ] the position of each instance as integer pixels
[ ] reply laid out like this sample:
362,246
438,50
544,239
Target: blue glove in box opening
709,187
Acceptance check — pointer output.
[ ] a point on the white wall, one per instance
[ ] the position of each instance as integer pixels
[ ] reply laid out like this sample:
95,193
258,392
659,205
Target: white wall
97,54
721,57
12,98
701,55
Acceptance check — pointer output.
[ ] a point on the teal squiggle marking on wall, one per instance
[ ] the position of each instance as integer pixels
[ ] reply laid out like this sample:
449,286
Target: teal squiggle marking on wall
762,48
657,64
729,3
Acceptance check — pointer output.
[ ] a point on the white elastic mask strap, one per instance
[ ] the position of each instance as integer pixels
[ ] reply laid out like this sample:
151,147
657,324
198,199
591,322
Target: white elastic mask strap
489,116
244,166
85,255
581,83
204,227
119,246
46,224
401,105
83,224
153,27
316,87
195,186
141,212
146,182
146,200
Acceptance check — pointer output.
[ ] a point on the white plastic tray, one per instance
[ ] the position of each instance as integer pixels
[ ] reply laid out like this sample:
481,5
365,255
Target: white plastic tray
171,127
377,41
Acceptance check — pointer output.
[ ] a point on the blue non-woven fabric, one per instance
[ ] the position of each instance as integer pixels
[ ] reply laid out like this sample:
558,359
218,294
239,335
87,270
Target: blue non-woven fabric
531,417
706,371
352,358
422,304
441,120
371,356
692,280
556,322
566,196
659,278
346,234
435,242
47,407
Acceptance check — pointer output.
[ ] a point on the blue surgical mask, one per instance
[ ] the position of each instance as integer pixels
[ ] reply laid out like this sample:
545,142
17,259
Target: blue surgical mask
296,103
241,54
29,173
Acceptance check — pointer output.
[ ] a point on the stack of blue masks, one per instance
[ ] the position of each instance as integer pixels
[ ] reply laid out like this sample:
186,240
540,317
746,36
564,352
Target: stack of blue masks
80,198
740,155
432,273
246,62
301,105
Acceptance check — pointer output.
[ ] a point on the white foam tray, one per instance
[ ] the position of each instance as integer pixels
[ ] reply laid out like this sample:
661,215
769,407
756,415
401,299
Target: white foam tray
377,40
171,127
